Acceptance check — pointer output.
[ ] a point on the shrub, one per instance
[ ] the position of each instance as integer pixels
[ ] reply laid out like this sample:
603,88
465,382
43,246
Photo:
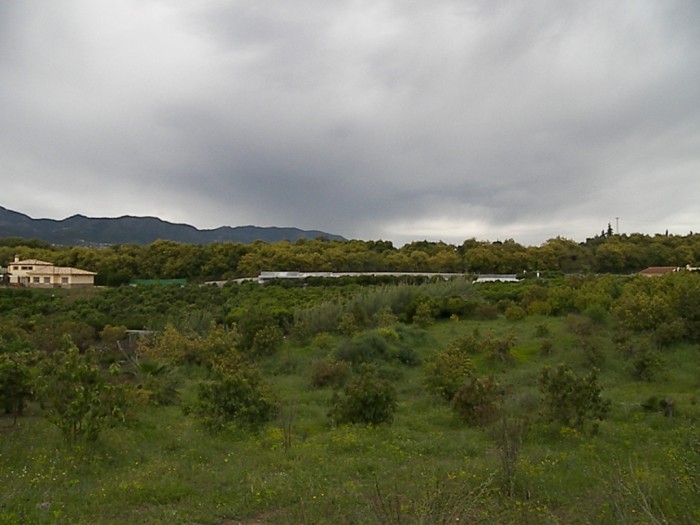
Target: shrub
154,381
257,323
77,396
347,324
508,436
541,330
669,333
267,340
593,355
237,394
647,365
468,344
385,317
546,347
330,373
363,348
515,313
322,341
571,399
424,315
478,401
596,313
15,382
446,371
539,307
486,312
579,325
172,346
498,349
366,399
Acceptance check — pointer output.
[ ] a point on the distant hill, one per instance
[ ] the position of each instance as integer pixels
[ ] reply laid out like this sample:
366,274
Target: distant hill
79,230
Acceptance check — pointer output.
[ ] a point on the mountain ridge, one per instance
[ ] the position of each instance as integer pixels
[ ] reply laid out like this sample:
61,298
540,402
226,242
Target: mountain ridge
80,230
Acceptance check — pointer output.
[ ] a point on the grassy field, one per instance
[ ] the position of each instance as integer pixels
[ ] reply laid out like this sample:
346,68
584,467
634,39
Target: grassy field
428,466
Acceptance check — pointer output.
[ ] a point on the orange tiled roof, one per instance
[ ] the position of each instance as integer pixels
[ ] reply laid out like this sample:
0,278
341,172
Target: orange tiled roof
60,270
33,262
658,270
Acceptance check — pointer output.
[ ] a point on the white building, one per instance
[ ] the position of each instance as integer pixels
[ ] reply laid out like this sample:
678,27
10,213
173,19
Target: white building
41,274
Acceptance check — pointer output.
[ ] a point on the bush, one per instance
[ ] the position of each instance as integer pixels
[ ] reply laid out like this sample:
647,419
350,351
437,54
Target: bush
364,348
478,401
579,325
570,399
515,313
546,347
541,330
155,382
385,317
267,340
669,333
237,394
486,312
424,315
15,382
647,365
77,396
366,399
382,344
596,313
468,344
330,373
498,349
447,371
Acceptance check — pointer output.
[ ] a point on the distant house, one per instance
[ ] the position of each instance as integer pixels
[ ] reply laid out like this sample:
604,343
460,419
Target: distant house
656,271
498,277
41,274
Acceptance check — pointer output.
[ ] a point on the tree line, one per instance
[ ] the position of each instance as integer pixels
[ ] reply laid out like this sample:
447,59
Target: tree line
604,253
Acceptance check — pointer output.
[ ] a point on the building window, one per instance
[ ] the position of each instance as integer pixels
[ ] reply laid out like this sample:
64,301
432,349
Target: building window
47,280
36,279
64,280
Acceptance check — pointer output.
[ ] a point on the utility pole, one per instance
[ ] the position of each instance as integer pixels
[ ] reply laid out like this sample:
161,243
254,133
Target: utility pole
617,225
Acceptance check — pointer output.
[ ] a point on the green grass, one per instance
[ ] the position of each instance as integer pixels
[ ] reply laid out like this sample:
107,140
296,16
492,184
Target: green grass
426,467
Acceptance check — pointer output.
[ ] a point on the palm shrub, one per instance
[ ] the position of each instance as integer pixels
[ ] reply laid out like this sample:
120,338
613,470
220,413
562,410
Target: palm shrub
366,399
155,381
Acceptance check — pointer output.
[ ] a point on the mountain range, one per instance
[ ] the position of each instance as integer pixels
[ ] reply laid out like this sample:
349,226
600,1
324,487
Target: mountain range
79,230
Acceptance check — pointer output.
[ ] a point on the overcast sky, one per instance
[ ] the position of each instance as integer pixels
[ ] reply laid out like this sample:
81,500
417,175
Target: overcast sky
401,120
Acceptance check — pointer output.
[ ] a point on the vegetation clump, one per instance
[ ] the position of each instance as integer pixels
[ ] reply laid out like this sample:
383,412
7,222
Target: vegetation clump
366,399
236,393
478,401
77,396
570,399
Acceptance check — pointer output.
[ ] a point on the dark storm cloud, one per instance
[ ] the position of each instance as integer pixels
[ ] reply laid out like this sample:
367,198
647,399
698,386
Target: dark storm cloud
400,120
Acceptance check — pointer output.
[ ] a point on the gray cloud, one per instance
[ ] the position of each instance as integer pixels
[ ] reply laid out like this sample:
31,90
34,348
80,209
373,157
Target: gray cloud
399,120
